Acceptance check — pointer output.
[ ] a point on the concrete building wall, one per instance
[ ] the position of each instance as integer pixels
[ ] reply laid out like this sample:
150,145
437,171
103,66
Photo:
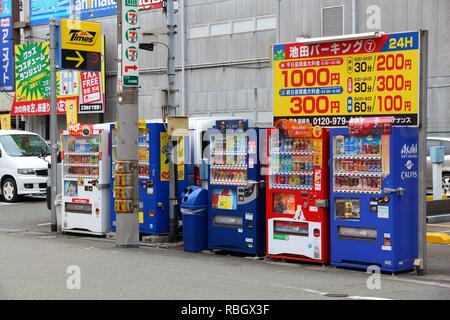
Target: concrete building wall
231,73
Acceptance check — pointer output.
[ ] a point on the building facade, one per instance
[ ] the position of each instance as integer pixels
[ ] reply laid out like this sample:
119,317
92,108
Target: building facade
223,52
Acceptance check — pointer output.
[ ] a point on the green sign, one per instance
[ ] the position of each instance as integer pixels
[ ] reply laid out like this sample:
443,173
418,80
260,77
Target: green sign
131,81
32,71
280,237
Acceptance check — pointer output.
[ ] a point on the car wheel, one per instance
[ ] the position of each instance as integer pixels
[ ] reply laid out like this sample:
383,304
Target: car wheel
446,185
9,190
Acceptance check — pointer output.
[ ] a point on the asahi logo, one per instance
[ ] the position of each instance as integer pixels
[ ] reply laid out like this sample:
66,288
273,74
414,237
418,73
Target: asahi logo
410,151
81,37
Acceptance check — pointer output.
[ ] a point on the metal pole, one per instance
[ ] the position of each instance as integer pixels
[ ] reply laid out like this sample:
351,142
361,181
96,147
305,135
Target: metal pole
354,17
173,202
437,180
278,31
53,122
127,223
423,152
183,58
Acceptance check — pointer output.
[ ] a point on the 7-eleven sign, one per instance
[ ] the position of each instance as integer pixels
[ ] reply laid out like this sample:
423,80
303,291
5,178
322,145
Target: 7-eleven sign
131,35
132,54
130,43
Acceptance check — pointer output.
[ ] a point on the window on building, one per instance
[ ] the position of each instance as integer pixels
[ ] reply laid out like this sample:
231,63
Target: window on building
199,31
266,23
332,21
220,29
241,26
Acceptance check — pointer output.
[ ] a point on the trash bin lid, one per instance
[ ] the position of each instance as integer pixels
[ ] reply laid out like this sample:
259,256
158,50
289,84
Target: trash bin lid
195,197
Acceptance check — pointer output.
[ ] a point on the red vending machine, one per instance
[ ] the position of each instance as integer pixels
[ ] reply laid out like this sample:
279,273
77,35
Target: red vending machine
298,193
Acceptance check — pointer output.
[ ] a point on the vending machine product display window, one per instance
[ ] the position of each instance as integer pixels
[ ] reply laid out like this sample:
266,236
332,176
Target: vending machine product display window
358,163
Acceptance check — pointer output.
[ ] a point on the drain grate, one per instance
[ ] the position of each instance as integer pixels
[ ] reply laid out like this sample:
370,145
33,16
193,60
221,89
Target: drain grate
336,295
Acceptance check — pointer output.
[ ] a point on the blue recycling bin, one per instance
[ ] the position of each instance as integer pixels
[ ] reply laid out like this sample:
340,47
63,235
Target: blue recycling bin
194,209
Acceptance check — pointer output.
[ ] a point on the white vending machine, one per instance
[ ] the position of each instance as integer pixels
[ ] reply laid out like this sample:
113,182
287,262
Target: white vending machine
86,180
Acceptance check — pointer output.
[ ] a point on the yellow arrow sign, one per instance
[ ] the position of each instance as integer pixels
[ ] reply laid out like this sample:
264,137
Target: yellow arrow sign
80,59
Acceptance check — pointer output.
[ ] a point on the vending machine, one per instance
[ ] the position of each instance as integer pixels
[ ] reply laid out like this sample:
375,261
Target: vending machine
236,214
374,195
85,180
153,176
298,193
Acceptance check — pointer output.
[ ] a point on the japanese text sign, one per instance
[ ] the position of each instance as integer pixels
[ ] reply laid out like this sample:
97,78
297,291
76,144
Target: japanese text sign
329,83
41,11
32,71
91,87
7,52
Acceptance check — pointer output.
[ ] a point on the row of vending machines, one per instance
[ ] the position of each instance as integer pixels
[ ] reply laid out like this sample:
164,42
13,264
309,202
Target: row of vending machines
88,199
345,196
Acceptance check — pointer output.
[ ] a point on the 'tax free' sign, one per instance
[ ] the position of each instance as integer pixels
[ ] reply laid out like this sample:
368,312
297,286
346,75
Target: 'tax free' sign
91,87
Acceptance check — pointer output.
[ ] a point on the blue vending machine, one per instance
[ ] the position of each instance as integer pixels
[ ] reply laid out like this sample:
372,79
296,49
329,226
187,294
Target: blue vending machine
374,195
236,215
153,177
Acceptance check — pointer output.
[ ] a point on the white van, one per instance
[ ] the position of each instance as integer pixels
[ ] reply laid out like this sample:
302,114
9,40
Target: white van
23,164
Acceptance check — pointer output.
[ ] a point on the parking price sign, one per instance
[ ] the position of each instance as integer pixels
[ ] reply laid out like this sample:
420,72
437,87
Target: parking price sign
329,82
130,48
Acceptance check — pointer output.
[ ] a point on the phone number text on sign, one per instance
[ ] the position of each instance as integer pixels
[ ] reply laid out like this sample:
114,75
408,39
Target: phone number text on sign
329,83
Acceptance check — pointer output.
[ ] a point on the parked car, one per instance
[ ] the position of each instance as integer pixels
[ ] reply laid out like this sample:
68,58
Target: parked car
24,158
435,142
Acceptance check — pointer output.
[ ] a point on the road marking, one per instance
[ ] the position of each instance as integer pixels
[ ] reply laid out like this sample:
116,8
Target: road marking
328,293
430,282
44,224
438,225
367,298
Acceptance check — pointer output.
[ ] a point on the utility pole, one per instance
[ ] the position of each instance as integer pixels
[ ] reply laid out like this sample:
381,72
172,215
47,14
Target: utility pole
423,116
53,121
127,165
173,197
278,31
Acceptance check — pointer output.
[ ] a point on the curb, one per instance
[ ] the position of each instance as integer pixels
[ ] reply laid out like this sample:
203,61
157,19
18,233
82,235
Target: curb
438,238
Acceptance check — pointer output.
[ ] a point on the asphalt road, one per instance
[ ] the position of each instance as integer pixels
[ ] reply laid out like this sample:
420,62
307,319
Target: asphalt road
34,265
